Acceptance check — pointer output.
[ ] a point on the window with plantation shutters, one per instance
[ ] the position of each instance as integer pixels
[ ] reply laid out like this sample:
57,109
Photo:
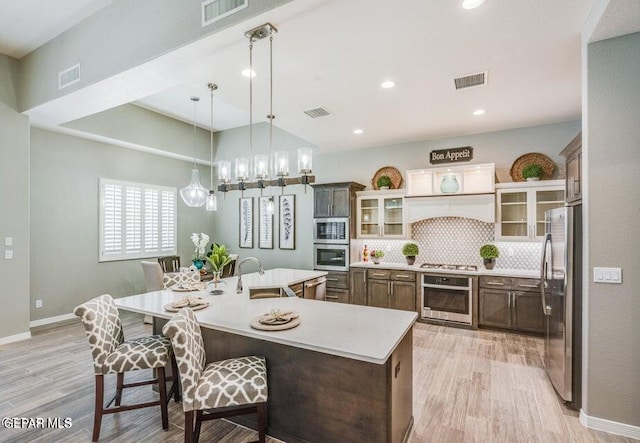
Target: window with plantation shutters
136,220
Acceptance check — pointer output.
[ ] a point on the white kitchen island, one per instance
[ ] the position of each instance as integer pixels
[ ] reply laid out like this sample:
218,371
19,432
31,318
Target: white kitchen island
344,374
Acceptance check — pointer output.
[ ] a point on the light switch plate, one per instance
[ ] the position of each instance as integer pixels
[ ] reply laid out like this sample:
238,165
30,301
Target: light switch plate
8,241
8,254
607,275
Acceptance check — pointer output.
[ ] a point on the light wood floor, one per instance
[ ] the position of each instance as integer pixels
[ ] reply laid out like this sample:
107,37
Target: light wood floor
468,386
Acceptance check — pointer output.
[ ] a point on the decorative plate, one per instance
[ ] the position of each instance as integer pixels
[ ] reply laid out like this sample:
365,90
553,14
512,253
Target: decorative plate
533,157
266,322
170,308
392,173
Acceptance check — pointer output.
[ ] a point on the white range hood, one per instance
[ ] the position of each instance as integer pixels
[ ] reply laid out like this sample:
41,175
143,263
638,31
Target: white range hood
479,207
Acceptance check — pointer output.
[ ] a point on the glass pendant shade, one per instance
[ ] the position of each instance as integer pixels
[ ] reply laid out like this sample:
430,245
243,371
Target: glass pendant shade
242,169
305,160
281,163
211,203
194,195
224,172
261,167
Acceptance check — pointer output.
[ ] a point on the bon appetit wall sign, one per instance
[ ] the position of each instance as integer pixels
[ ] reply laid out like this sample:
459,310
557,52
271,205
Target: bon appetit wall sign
451,155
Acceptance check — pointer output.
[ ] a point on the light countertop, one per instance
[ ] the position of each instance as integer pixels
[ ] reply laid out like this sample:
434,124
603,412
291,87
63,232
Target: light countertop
522,273
357,332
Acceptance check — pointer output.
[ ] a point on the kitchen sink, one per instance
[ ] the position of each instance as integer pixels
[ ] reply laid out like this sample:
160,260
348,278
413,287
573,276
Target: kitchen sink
266,293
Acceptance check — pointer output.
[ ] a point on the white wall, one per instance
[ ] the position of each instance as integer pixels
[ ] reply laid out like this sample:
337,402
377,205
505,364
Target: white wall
613,167
64,224
14,206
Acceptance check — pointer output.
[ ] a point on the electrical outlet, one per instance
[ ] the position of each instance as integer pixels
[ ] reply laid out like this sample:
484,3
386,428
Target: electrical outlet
510,252
38,303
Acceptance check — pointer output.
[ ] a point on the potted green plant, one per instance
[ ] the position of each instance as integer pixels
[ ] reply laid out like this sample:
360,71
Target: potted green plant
489,253
376,256
384,182
410,250
218,258
532,172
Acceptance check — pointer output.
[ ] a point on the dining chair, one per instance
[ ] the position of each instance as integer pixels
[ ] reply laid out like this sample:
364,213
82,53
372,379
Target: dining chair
239,385
173,278
153,275
170,263
113,355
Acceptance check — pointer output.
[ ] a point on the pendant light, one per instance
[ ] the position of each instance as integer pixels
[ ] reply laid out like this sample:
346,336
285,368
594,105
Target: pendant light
211,203
271,206
194,195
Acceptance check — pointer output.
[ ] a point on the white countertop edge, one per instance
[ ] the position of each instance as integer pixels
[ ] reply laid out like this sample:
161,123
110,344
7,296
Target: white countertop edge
522,273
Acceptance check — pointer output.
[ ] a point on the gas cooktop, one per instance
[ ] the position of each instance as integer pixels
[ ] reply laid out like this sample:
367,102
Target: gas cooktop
447,267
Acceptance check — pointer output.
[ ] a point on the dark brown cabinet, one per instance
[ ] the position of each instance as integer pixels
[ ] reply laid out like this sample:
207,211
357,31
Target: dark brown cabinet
337,287
384,288
335,199
511,303
573,169
358,279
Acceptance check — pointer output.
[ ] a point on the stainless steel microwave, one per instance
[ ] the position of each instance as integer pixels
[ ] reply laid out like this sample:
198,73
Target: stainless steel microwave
331,257
331,230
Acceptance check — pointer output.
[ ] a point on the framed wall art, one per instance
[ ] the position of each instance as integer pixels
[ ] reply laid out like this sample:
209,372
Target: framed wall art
246,222
265,224
287,222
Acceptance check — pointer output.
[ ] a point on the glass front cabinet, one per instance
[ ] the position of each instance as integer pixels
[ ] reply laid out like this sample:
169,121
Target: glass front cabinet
381,214
521,207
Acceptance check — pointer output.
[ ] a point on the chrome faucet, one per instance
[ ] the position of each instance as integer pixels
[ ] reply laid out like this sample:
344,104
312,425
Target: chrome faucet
253,259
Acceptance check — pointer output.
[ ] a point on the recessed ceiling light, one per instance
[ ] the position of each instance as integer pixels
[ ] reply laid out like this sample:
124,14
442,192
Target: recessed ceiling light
388,84
471,4
358,131
479,112
248,72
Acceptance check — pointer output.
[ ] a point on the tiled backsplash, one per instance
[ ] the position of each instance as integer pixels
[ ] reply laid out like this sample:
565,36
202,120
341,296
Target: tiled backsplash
455,240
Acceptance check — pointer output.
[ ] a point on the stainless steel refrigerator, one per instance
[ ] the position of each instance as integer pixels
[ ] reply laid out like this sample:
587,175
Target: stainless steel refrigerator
561,296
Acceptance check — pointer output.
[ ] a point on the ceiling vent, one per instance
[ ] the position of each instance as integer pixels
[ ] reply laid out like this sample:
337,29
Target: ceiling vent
69,76
317,112
214,10
471,81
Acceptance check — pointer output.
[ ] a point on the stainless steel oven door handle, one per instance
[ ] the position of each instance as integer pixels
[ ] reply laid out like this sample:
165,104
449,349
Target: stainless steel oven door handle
454,288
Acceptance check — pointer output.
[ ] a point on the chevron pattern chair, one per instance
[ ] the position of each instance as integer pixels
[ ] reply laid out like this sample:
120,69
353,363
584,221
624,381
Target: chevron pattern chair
238,384
113,355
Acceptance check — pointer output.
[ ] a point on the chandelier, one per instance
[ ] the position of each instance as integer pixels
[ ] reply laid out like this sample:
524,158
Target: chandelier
266,170
194,195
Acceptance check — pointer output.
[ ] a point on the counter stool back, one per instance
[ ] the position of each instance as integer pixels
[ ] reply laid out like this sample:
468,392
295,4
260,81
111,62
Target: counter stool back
113,355
239,385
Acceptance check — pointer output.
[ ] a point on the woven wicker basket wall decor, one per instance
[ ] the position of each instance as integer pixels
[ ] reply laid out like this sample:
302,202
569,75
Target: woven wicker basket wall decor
532,158
392,173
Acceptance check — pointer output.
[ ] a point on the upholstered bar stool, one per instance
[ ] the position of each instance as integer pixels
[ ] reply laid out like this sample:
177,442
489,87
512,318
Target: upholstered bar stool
173,278
238,384
113,355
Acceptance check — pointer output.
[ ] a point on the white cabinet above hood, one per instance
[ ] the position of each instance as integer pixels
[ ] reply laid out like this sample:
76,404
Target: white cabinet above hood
479,207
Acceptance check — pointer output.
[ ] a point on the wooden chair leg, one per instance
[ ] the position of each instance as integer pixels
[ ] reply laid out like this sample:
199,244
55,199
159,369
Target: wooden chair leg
196,433
262,421
188,427
119,384
162,389
97,413
176,379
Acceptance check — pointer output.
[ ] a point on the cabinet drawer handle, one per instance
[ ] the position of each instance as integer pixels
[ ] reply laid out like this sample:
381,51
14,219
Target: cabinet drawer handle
332,297
378,275
497,283
529,286
403,276
509,300
332,279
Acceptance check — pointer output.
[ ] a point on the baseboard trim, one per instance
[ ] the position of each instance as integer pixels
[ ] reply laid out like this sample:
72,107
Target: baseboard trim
14,338
49,320
612,427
